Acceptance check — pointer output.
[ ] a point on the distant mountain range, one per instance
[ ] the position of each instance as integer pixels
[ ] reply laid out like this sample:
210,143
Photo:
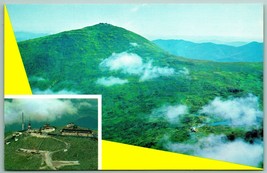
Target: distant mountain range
251,52
22,36
214,50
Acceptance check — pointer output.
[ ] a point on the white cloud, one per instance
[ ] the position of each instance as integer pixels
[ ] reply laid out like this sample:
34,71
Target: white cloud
85,105
215,147
240,111
37,78
131,63
126,62
171,113
151,72
184,71
49,91
134,44
37,109
109,81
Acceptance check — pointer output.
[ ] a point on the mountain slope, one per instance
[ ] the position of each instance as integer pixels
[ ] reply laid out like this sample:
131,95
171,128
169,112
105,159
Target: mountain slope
251,52
82,49
136,78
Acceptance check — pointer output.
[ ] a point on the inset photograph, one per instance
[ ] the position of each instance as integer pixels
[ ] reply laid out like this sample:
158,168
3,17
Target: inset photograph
49,133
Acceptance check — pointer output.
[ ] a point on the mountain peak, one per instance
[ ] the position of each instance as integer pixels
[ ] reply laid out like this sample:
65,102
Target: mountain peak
101,25
87,46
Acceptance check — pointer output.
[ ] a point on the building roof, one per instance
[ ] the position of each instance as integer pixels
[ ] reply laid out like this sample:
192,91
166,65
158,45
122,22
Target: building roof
71,127
77,130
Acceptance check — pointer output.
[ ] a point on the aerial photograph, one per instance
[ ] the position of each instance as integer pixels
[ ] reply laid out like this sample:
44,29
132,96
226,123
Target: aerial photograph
51,134
182,78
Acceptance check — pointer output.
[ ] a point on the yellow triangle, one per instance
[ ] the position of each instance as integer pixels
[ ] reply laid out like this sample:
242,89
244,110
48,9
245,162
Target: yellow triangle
15,78
117,156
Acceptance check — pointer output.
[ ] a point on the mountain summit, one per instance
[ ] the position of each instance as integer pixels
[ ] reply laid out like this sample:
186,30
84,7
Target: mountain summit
71,55
101,39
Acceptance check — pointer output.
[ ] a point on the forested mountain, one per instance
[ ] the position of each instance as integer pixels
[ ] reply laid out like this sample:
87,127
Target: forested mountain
251,52
149,95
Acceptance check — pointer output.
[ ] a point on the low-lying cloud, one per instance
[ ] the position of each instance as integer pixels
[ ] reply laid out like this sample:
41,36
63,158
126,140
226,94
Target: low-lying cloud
130,63
37,109
216,147
36,79
134,44
151,72
109,81
170,113
49,91
184,71
239,111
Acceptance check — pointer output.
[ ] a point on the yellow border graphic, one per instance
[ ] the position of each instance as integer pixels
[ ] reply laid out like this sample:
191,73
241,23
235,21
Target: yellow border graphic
117,156
15,78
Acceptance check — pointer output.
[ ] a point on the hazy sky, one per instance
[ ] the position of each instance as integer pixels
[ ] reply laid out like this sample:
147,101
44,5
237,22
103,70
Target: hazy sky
226,22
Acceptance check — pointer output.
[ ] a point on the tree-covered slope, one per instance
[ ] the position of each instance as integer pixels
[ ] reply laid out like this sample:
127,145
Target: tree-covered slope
138,81
68,57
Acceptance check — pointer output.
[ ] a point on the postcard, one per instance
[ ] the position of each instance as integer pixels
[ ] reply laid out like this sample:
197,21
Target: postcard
181,85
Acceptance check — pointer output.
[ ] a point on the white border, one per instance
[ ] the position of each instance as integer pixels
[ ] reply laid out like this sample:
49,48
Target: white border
99,132
99,112
59,96
2,2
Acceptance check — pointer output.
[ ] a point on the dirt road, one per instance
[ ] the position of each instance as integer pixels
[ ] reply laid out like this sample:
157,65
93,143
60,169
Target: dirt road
47,156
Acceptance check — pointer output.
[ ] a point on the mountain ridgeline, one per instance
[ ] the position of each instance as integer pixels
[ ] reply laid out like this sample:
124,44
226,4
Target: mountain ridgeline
251,52
142,77
74,55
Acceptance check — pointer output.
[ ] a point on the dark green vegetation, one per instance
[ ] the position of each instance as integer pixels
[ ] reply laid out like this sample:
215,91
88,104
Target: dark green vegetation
251,52
82,149
20,161
70,61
